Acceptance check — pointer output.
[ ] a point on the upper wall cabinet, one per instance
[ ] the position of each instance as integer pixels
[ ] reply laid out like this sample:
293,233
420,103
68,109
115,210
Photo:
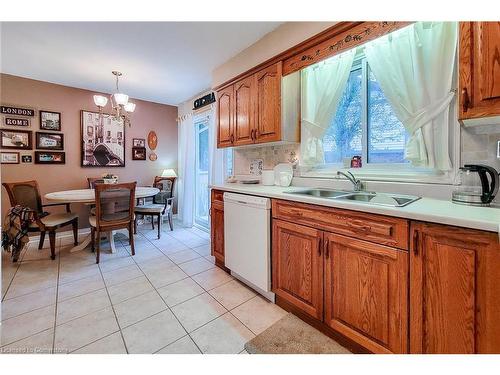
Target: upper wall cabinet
268,95
250,110
225,104
479,69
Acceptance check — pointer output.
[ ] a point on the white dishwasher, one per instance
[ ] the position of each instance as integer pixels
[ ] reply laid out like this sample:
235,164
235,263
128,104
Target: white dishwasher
247,240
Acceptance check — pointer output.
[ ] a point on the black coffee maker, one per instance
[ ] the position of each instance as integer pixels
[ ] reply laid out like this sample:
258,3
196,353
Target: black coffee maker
475,185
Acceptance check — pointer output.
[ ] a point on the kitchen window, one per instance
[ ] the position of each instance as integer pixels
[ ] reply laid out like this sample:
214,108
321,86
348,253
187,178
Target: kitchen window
364,123
389,101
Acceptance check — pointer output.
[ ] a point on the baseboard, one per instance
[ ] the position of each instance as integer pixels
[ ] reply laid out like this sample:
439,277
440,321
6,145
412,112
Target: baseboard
66,237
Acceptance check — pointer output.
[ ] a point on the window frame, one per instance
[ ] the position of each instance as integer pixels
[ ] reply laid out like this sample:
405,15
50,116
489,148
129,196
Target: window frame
399,172
360,62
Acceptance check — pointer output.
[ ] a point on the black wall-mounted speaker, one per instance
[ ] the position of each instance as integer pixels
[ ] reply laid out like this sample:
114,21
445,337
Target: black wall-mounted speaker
204,100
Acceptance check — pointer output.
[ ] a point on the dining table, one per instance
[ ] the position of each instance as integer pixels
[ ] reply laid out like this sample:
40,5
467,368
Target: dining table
87,196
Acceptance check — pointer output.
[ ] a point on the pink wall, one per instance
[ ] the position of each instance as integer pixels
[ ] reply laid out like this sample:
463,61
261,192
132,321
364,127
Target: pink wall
70,101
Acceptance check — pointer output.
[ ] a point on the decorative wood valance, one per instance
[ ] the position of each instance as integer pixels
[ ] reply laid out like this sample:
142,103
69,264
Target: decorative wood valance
334,40
343,41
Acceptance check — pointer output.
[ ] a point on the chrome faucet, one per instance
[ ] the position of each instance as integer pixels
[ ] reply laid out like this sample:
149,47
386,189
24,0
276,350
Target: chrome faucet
358,185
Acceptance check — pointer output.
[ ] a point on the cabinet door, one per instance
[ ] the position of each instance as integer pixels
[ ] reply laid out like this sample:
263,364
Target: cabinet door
217,230
479,68
244,122
366,293
298,266
225,116
268,89
454,290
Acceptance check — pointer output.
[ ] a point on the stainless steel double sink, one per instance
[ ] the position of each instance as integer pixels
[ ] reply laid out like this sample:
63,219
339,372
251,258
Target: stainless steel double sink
381,199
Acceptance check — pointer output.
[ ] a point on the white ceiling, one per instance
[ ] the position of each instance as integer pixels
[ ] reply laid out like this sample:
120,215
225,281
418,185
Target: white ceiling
164,62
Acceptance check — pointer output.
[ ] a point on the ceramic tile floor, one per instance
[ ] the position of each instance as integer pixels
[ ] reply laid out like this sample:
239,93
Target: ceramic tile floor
168,298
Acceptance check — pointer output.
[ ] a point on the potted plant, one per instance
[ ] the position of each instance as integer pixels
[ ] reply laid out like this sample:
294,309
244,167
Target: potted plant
109,178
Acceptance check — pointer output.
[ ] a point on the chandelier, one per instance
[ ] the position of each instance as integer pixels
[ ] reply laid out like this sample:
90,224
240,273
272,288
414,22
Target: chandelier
119,102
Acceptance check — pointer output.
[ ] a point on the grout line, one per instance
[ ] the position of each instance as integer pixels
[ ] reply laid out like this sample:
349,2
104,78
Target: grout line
57,299
235,317
90,343
169,309
179,339
27,312
113,308
19,262
10,283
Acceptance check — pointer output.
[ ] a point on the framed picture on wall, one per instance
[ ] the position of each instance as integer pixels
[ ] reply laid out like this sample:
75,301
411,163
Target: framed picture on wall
138,142
9,157
139,153
103,140
50,120
26,158
17,139
50,157
11,121
49,141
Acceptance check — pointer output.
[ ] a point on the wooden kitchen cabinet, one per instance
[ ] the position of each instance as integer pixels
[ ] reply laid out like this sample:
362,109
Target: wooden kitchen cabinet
268,97
454,290
249,110
366,288
244,112
225,117
297,266
217,227
479,70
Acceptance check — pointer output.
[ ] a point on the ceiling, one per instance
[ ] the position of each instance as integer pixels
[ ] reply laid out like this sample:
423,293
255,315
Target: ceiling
163,62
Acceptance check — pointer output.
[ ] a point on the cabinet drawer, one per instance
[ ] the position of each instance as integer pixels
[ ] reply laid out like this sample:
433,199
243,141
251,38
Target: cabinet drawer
381,229
217,195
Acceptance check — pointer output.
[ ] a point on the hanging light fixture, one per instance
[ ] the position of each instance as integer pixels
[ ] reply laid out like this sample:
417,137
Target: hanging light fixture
119,102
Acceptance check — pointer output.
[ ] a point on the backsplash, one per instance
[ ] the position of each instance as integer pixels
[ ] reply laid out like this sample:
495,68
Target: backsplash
479,148
251,160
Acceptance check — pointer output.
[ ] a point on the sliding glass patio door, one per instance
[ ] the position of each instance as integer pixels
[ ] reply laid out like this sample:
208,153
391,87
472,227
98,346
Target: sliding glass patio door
201,174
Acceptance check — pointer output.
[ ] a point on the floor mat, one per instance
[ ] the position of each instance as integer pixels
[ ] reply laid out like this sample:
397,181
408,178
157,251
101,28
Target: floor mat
290,335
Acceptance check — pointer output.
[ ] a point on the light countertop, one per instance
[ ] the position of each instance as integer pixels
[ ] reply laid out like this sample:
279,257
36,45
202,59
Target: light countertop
425,209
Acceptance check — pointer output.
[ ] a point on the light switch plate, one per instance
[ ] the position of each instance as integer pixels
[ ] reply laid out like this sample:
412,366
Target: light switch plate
498,150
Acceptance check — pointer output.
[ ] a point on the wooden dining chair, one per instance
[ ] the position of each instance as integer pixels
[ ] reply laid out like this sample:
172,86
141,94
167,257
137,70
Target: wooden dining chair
114,210
162,203
27,194
94,180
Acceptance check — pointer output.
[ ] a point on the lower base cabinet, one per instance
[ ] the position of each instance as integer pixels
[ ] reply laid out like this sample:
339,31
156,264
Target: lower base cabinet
355,287
454,290
366,293
297,258
217,227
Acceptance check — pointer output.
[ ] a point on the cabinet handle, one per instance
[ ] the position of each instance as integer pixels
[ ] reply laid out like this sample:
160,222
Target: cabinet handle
320,244
415,243
465,100
251,135
327,250
232,138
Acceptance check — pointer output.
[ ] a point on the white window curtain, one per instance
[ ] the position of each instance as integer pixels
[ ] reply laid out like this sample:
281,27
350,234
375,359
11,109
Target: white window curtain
187,154
216,172
186,169
414,67
322,87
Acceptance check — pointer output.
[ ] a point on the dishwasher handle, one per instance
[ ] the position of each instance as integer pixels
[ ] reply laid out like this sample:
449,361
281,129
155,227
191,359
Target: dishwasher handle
247,200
